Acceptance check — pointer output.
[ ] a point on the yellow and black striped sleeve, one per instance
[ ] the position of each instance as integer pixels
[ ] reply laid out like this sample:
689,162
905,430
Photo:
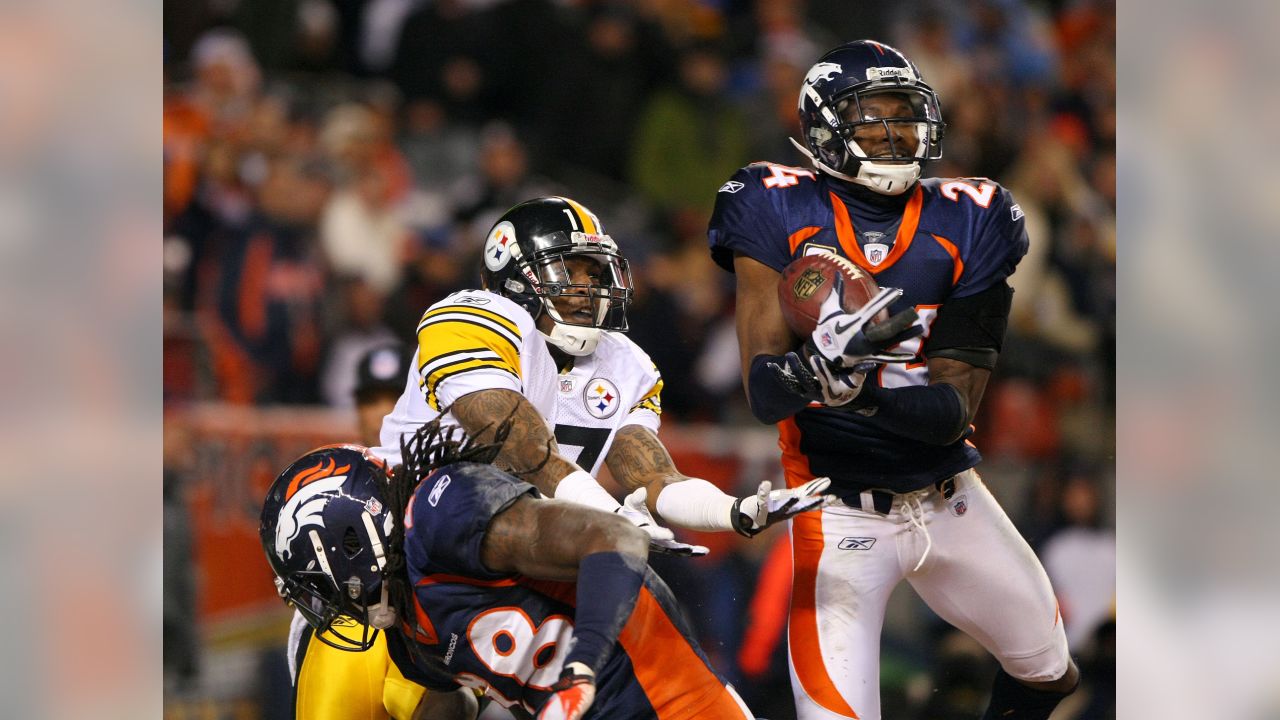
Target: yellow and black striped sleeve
652,399
458,338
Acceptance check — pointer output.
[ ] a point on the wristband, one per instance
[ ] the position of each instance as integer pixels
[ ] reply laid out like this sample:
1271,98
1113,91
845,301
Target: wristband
696,504
579,487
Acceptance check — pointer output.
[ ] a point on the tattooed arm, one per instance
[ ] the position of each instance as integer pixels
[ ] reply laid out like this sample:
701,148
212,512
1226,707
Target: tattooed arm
638,459
530,443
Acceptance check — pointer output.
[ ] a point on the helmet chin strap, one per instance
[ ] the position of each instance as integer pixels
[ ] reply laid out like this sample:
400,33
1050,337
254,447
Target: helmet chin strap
881,177
382,615
574,340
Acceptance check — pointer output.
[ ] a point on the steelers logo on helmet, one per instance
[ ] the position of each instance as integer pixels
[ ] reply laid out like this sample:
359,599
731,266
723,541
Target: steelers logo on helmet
499,246
601,397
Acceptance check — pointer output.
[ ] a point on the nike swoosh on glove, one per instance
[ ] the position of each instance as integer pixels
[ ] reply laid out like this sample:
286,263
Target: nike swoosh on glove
661,540
572,694
845,339
755,513
816,380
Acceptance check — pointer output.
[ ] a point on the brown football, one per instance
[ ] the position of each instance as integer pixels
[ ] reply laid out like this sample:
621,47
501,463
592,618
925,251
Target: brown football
806,282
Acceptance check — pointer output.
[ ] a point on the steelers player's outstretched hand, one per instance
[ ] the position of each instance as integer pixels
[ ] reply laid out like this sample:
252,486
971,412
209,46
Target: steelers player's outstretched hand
661,540
757,512
572,694
849,339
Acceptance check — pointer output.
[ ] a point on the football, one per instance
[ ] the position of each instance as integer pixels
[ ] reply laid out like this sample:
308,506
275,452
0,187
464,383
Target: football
806,283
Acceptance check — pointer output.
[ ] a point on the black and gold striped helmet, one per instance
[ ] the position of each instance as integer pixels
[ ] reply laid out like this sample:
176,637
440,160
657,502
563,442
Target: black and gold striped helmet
525,258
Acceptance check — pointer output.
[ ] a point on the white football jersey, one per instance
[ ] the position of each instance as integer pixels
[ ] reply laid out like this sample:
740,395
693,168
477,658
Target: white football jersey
477,340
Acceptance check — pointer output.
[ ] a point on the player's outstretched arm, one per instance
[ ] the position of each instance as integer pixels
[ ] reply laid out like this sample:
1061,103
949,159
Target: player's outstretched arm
640,462
555,540
460,704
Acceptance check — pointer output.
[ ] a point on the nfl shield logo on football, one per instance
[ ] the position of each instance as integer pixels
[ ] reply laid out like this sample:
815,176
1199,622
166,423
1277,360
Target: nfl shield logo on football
959,506
601,398
807,284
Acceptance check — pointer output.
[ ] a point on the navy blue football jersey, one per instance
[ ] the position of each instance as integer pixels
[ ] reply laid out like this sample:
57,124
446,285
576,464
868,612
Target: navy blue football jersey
508,635
946,238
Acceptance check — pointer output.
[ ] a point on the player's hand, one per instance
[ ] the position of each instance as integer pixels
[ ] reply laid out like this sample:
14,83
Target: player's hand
572,694
846,340
816,380
661,540
757,512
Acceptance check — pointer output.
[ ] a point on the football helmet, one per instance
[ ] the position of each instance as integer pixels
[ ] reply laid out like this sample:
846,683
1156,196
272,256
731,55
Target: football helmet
525,258
831,110
325,525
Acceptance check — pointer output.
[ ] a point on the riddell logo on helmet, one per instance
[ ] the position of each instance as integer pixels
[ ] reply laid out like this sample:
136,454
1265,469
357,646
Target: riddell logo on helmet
890,73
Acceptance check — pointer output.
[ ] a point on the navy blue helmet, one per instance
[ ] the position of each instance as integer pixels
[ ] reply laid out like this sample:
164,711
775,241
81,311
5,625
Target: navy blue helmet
906,132
325,529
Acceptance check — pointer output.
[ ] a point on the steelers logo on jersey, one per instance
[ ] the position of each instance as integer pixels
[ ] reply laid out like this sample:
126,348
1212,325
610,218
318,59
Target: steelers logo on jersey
601,397
499,245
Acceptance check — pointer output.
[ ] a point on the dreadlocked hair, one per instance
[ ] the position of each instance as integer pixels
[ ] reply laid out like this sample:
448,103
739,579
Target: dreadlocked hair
433,446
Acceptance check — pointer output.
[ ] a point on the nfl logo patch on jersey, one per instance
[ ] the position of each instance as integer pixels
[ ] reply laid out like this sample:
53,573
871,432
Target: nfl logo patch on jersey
601,397
873,247
959,506
566,385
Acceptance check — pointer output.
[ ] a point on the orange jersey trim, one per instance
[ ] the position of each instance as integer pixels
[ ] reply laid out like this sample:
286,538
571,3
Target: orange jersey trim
848,234
957,265
463,580
795,465
676,680
801,235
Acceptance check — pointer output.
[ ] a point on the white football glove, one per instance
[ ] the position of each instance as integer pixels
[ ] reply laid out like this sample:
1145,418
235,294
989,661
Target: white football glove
838,386
661,540
846,340
755,513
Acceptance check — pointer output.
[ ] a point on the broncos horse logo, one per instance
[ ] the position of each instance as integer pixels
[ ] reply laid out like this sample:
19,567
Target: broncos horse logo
305,499
822,71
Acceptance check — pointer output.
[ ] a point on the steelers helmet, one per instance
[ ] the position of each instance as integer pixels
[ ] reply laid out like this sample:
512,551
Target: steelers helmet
525,259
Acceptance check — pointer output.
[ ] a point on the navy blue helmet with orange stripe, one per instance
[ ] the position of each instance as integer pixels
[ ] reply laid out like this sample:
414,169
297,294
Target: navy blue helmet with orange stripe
325,529
528,257
836,104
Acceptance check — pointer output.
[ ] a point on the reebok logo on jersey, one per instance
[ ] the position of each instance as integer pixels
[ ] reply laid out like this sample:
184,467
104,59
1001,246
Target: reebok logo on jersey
732,186
441,485
1016,212
470,300
857,543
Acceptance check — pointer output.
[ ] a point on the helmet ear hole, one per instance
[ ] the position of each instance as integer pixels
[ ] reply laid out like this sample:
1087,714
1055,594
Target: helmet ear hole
351,543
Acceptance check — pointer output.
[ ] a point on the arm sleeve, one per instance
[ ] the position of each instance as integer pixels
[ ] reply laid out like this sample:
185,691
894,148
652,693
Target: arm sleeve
746,221
998,242
465,347
971,329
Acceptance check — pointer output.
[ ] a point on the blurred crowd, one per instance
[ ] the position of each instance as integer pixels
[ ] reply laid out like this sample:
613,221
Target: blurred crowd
332,166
